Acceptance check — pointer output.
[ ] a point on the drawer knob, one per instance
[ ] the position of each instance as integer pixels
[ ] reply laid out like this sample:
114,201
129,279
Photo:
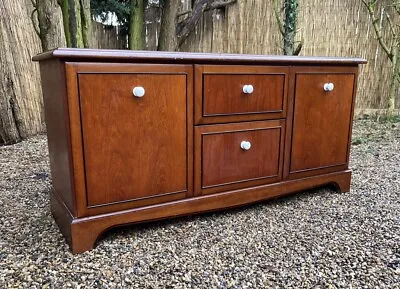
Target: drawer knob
329,86
245,145
248,88
138,91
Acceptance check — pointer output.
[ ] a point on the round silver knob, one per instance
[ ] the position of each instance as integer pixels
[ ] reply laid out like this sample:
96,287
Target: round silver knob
248,89
329,86
245,145
138,91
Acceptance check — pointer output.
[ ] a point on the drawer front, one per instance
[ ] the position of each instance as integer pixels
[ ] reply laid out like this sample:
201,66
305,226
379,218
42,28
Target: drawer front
238,155
136,135
321,121
240,93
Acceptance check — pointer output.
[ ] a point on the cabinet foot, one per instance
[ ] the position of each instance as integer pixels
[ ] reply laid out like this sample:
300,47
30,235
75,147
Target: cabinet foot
342,185
78,240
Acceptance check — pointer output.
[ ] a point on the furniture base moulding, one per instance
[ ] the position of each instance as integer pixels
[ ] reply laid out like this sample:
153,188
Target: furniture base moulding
82,233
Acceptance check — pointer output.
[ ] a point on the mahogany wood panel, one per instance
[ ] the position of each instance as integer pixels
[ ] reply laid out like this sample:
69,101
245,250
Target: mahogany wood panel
223,94
225,162
220,98
134,147
321,121
107,143
85,231
58,134
221,164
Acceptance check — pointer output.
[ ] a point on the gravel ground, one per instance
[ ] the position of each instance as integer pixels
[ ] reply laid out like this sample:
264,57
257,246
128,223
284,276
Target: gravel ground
315,239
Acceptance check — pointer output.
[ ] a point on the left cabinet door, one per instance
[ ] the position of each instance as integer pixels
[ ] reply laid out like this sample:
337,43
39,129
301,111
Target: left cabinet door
136,133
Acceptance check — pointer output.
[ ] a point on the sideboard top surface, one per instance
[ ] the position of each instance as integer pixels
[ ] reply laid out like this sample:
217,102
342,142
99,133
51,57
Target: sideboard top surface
79,54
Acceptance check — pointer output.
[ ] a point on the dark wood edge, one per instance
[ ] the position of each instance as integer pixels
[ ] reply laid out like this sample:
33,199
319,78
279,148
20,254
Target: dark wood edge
183,57
62,215
237,118
85,231
317,171
353,105
290,91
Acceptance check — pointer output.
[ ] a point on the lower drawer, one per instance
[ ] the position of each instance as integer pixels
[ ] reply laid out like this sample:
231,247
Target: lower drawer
234,156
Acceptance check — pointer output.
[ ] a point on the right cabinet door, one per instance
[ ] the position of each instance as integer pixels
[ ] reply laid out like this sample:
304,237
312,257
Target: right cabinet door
322,117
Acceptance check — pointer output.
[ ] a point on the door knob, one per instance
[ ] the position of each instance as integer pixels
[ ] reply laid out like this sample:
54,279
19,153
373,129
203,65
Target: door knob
248,89
329,86
245,145
138,91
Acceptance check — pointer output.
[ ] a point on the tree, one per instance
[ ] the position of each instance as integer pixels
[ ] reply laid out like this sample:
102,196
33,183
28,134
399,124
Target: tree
136,25
119,8
77,22
176,26
48,23
288,28
392,49
21,105
130,16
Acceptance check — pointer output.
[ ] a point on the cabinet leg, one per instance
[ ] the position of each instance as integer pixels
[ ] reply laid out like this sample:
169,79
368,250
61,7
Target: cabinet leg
342,184
83,239
81,236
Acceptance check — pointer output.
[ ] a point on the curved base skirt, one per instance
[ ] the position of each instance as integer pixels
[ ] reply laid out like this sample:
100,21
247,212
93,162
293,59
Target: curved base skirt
82,233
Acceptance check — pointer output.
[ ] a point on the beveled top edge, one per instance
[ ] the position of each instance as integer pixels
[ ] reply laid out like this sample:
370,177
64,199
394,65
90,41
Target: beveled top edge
182,57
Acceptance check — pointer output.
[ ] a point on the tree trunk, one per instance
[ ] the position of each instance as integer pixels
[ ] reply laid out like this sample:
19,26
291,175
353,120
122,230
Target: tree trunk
290,27
394,81
168,40
77,23
65,14
136,25
86,22
50,20
21,105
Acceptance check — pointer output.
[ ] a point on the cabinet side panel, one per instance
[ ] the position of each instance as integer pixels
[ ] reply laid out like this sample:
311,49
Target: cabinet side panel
57,124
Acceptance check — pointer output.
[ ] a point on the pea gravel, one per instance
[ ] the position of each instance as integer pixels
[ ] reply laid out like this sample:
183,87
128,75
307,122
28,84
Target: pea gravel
315,239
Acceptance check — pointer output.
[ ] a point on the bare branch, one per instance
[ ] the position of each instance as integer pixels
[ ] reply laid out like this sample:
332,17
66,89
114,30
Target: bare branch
182,13
186,26
34,22
210,6
299,47
219,4
391,25
34,4
378,29
278,18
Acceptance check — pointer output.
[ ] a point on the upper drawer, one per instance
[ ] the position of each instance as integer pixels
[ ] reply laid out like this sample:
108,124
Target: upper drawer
231,93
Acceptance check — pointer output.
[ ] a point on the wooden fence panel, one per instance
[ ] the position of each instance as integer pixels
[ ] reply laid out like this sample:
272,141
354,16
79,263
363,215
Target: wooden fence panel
107,37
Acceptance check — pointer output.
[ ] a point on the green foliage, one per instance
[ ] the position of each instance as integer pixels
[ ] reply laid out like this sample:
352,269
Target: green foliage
121,8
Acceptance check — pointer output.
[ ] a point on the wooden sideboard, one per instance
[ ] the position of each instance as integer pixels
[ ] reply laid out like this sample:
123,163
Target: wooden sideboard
139,136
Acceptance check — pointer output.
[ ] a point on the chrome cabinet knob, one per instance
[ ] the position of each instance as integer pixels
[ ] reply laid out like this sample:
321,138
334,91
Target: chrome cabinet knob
329,86
138,91
248,89
245,145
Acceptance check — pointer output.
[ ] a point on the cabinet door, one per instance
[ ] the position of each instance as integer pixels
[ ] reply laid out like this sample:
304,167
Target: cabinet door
135,148
321,121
